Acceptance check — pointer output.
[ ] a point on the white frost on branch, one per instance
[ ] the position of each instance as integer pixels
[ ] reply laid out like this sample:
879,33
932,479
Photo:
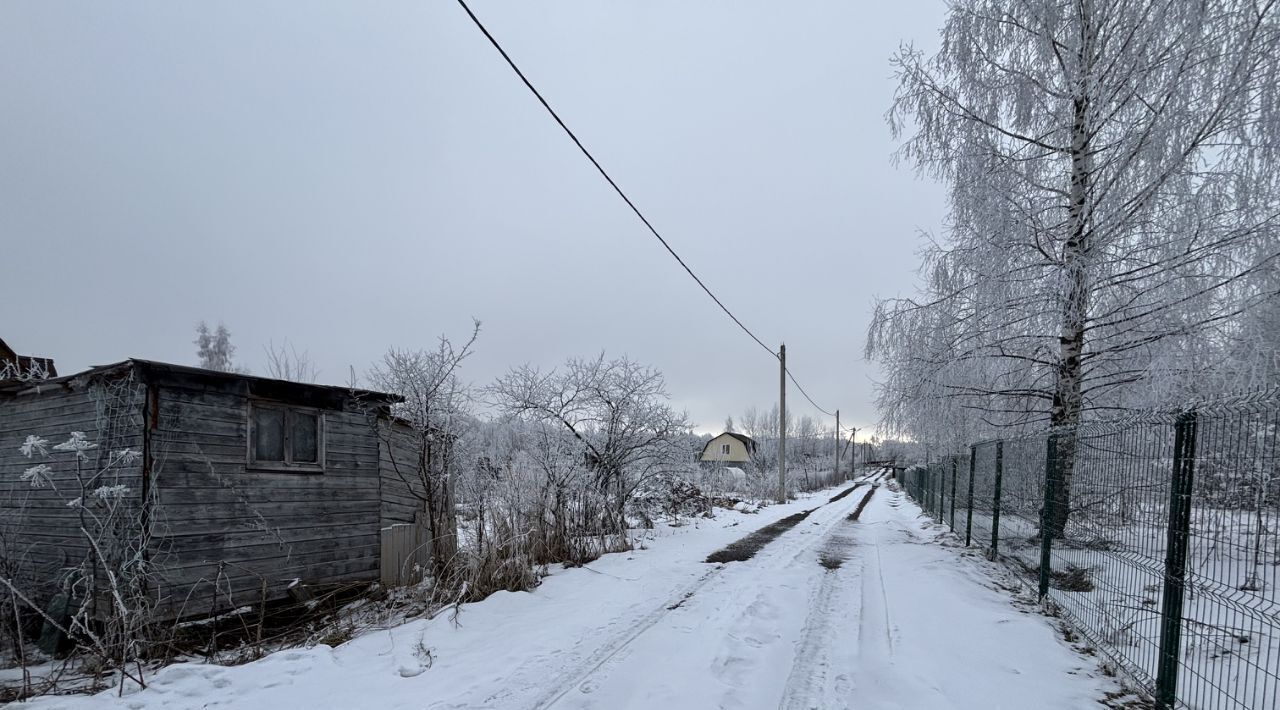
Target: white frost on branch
215,350
37,476
78,443
1114,227
111,492
34,445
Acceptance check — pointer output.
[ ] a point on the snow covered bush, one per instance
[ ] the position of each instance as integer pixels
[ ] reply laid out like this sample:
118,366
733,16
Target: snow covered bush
616,411
668,495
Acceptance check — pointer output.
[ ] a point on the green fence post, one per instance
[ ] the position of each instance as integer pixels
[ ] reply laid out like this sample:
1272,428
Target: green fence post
922,486
942,492
1052,476
968,523
941,501
955,465
926,488
995,502
932,491
941,498
927,491
1175,560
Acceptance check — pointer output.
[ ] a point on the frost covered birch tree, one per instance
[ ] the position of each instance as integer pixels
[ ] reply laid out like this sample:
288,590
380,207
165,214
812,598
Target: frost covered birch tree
1113,181
214,348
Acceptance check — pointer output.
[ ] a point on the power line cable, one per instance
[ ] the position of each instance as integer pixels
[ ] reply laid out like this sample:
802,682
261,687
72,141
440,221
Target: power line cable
603,173
796,382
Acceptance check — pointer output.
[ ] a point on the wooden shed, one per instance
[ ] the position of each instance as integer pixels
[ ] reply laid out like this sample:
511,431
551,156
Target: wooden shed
217,489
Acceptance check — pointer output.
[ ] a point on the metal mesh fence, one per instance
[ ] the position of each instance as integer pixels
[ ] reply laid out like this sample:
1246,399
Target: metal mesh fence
1157,537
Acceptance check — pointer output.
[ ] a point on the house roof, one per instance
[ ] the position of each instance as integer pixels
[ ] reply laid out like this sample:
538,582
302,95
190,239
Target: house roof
168,373
751,443
746,440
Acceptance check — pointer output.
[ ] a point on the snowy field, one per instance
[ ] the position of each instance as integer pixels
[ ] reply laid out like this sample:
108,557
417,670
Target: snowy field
834,613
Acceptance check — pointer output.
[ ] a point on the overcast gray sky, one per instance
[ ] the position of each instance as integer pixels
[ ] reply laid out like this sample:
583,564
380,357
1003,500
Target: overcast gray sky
356,175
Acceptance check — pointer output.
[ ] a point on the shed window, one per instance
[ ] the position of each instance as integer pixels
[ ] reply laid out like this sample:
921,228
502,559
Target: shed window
724,449
285,437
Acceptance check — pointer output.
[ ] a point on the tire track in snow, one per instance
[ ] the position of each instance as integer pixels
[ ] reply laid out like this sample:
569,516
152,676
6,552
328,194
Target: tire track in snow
886,618
806,684
809,684
796,543
577,676
877,646
875,624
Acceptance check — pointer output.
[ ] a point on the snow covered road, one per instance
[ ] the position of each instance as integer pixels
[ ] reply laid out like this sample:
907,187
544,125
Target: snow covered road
834,613
841,614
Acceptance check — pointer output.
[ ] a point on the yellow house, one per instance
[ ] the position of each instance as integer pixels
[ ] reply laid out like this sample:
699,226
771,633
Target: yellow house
729,448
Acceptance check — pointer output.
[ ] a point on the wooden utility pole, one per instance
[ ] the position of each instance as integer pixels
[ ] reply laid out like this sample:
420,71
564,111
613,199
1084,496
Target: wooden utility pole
782,424
837,443
853,460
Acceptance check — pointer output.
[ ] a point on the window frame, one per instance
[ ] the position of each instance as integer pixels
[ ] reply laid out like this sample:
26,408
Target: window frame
288,465
726,449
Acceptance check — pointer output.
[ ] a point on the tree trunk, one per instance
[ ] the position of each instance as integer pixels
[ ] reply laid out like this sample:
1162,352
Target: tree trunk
438,491
1068,386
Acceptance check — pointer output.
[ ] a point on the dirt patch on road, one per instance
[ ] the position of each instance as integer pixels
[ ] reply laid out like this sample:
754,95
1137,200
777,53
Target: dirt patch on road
862,504
747,547
832,558
677,605
845,492
836,550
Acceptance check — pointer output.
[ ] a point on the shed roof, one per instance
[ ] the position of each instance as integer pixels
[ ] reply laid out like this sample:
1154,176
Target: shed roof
26,363
168,373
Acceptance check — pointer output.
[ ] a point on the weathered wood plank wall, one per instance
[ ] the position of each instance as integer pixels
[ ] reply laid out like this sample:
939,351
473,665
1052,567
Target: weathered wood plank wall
406,554
222,530
403,490
219,530
40,526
